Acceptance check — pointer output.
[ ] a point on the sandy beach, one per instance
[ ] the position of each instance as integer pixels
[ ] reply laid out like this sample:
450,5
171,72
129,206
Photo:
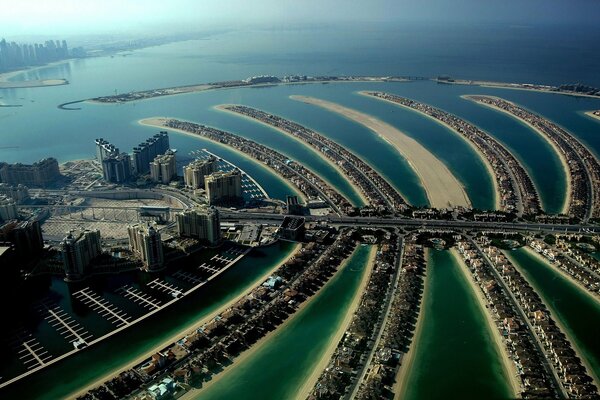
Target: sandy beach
183,332
484,160
335,340
561,156
194,393
593,374
510,370
158,122
592,115
356,189
442,188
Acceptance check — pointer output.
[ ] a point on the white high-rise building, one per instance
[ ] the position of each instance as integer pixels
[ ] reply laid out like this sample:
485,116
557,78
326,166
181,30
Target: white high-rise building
201,223
164,168
145,242
8,208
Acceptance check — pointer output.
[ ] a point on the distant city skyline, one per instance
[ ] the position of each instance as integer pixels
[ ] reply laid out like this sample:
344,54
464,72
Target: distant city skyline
60,17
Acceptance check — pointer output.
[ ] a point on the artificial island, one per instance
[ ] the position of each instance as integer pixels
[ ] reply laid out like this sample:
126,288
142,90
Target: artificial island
100,247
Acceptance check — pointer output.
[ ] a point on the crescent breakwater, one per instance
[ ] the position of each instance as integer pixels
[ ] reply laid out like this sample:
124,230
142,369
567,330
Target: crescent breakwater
380,194
583,168
517,191
309,183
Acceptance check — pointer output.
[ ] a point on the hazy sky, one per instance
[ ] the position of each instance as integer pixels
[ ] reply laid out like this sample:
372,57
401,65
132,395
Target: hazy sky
49,17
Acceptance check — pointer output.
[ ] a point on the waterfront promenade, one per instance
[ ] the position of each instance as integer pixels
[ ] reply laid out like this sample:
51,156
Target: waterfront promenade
514,189
442,187
580,165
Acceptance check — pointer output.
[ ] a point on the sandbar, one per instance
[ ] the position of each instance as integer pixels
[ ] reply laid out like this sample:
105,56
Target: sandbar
315,152
184,331
482,157
159,122
591,114
557,150
441,186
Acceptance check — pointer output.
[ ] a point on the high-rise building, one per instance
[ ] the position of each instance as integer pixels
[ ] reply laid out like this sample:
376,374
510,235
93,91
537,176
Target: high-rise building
223,187
293,207
163,168
104,150
194,172
201,223
27,237
8,208
19,193
146,151
78,250
117,168
41,173
145,243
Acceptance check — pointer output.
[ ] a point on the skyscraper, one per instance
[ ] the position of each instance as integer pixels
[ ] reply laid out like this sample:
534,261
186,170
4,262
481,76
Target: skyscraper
41,173
194,172
146,151
201,223
78,250
163,168
224,187
117,168
145,243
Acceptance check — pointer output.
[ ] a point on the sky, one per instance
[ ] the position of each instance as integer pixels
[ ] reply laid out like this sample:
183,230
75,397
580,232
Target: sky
68,17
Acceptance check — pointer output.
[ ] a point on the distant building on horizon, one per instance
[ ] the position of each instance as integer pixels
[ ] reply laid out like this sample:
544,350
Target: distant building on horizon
78,250
201,223
145,243
194,172
163,168
223,187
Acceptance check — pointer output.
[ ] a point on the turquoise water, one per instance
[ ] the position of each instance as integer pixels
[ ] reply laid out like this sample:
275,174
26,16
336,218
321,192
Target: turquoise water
85,367
281,365
465,364
578,312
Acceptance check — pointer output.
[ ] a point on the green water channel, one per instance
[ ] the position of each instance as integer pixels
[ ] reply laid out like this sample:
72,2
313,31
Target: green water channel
455,355
576,310
280,366
82,369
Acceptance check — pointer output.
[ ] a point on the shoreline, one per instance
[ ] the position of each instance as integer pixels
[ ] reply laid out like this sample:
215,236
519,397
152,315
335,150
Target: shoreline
507,366
401,379
310,382
196,392
183,331
356,189
592,115
484,160
509,85
157,122
593,374
443,189
563,273
563,161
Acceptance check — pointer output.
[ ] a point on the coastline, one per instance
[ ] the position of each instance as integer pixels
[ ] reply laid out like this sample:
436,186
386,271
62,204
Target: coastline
484,160
157,122
401,381
508,85
356,189
195,393
183,331
442,188
592,115
593,374
309,383
557,151
508,367
564,274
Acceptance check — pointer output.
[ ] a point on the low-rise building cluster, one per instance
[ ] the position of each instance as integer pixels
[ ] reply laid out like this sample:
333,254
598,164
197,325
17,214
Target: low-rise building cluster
381,195
584,168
